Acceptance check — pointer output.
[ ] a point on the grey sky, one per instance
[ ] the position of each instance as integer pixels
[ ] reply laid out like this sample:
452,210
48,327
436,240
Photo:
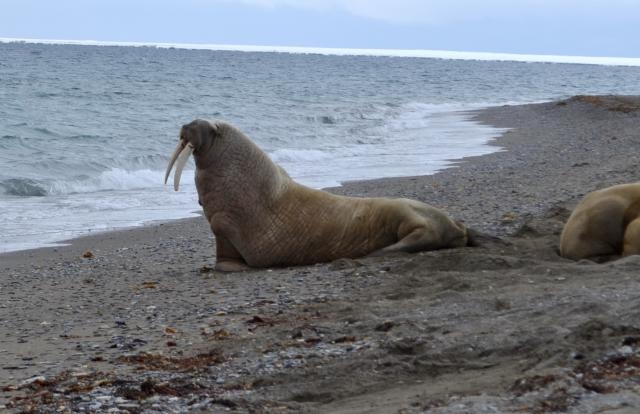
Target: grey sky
561,27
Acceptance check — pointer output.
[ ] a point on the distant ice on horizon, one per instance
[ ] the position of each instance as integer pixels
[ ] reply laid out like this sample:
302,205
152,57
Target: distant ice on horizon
415,53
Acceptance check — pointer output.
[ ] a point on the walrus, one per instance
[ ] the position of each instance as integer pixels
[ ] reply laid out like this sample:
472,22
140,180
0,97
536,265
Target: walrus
605,224
262,218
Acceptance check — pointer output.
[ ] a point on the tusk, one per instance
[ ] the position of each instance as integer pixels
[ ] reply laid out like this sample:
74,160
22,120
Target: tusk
180,163
174,156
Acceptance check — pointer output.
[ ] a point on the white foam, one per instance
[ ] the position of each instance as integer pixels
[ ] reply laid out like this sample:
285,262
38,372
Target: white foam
30,222
420,139
115,179
415,53
288,155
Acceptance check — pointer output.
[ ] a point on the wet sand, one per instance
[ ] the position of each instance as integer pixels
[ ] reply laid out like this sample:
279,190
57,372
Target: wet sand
137,320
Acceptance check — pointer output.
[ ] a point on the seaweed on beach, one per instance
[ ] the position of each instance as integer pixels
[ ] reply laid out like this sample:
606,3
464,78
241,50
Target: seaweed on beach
615,103
156,362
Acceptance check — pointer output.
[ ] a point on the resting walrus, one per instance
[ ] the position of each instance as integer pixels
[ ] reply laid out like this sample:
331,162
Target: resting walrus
261,217
605,223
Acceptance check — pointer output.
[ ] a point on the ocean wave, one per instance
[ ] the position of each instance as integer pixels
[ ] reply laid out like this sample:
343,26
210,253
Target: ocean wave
84,137
422,115
115,179
46,131
323,119
9,142
46,95
22,188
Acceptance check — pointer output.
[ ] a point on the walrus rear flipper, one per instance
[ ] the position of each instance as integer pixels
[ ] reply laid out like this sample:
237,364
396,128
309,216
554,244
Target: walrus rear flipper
424,238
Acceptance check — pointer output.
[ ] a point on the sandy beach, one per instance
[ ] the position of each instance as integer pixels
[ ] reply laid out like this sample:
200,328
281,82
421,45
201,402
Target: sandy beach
137,321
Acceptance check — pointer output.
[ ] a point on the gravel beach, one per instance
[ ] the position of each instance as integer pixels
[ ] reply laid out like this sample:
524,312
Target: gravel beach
137,321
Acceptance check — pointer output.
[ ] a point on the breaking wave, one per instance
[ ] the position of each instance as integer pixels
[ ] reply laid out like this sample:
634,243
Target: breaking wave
115,179
22,188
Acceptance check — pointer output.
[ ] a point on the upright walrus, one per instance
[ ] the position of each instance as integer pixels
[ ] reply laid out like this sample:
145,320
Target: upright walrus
261,217
605,223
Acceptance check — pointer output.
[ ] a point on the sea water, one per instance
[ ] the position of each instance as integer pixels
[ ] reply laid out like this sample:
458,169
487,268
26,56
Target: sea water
86,130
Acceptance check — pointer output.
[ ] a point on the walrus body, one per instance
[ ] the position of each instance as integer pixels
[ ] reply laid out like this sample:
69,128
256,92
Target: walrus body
605,223
262,218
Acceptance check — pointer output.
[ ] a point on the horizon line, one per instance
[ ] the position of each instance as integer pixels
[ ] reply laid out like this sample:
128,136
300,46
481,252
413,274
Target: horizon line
333,51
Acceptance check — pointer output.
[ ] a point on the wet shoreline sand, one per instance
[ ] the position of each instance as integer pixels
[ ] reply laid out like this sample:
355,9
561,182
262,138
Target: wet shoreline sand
143,324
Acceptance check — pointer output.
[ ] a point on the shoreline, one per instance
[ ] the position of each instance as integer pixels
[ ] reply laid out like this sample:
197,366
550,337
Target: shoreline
145,324
107,239
536,141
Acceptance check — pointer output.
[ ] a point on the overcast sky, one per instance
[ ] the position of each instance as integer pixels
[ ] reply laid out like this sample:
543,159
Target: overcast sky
560,27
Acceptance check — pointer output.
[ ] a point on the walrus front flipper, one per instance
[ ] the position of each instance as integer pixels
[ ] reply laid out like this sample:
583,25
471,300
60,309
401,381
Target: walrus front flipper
228,266
228,259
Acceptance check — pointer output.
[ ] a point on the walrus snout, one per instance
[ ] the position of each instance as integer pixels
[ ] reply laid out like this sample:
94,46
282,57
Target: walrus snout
194,136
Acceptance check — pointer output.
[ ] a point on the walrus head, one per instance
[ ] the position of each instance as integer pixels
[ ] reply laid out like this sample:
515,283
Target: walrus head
195,137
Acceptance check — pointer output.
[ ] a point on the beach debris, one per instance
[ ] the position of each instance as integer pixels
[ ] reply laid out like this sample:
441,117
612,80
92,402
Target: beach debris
261,321
344,338
158,362
501,304
307,333
88,254
509,216
219,334
610,103
126,342
31,380
149,284
524,385
631,340
384,326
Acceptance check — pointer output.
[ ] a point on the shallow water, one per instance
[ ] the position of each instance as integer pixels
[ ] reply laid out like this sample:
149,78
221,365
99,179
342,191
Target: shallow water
86,131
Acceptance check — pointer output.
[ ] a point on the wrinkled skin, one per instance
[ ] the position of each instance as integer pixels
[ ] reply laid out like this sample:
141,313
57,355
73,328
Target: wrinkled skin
604,225
261,217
